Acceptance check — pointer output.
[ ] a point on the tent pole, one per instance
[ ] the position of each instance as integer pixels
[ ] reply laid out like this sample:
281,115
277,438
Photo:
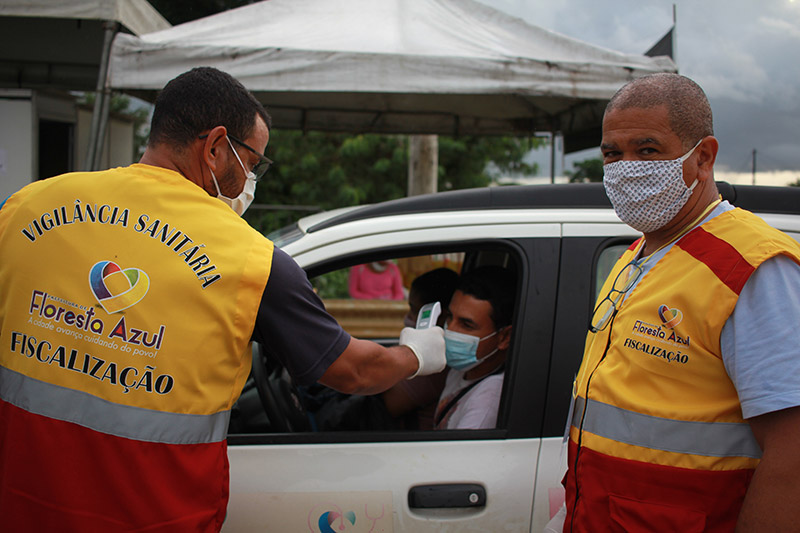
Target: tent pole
101,129
423,164
101,102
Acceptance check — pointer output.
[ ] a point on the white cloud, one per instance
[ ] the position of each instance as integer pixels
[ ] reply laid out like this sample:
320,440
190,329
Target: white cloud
740,51
785,27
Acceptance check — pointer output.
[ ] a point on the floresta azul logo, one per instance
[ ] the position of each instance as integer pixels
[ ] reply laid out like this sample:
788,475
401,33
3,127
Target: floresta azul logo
117,289
669,317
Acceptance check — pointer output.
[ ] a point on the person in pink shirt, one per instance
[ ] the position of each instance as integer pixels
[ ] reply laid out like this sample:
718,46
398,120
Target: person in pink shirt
379,280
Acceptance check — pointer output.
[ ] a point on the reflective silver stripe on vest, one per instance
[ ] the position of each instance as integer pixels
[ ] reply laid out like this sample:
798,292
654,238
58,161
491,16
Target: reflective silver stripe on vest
107,417
713,439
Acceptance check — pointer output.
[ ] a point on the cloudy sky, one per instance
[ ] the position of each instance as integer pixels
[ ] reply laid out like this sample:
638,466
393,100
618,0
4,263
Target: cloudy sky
744,53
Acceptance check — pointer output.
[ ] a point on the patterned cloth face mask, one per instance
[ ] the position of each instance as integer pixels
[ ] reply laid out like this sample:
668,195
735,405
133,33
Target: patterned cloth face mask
647,194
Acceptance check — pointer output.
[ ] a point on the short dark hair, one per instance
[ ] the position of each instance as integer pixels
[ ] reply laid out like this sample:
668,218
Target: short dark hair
199,100
687,105
494,284
436,285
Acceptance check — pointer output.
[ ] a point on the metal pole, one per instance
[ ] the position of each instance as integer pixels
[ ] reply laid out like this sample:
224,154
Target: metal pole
754,166
101,105
101,130
552,157
675,33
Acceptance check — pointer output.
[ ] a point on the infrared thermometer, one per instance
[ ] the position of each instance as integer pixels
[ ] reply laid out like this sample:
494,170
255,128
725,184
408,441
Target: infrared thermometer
428,315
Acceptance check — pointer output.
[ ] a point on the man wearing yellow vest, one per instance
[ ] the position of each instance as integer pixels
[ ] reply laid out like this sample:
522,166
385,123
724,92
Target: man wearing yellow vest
129,299
686,403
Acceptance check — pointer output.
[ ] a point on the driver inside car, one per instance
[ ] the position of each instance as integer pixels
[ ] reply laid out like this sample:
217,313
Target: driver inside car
477,338
411,403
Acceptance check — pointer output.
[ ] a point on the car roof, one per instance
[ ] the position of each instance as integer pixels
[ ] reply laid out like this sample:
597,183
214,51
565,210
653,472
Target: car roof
564,195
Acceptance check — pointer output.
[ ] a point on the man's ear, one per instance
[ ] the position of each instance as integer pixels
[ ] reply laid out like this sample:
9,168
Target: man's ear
213,147
706,156
505,338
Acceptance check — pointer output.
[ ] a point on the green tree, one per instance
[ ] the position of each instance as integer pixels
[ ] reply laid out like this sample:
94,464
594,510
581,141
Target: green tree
588,170
795,183
472,161
329,170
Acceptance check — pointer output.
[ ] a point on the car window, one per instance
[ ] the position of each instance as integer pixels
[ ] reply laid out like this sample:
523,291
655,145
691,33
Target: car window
605,263
285,235
370,300
379,315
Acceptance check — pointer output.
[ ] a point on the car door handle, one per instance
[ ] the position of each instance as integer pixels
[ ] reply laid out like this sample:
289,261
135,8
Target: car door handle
447,495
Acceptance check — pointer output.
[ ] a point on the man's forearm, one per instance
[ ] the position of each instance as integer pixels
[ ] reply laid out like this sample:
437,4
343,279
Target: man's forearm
772,502
366,367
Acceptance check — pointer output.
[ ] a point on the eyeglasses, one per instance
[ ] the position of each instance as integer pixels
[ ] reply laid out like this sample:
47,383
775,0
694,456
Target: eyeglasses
607,307
264,162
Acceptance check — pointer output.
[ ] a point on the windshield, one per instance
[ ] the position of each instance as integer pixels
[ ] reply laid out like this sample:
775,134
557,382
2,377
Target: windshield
285,235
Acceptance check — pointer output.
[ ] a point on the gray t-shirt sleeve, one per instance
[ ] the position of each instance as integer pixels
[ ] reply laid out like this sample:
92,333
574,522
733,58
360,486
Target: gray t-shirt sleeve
292,324
761,340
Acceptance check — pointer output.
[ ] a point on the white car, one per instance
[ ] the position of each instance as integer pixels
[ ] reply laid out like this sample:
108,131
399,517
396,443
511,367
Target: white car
291,471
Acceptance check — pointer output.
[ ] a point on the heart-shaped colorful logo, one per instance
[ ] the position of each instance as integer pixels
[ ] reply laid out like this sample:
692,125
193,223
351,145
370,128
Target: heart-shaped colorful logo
117,289
669,317
327,519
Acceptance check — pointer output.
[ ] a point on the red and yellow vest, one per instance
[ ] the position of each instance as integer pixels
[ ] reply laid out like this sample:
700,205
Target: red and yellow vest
657,439
128,299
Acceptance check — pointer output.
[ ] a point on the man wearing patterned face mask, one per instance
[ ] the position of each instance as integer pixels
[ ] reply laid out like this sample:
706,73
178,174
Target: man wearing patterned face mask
686,409
477,337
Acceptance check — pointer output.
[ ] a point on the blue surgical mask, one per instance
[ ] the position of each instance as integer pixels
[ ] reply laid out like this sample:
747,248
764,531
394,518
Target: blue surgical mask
461,349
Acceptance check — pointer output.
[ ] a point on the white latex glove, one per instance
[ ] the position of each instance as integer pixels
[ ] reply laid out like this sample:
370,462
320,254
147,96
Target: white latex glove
428,346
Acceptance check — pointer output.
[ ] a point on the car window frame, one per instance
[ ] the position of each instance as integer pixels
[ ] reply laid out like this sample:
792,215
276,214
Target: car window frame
502,431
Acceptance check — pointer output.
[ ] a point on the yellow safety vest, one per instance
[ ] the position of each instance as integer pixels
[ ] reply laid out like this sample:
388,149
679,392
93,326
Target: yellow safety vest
129,298
652,395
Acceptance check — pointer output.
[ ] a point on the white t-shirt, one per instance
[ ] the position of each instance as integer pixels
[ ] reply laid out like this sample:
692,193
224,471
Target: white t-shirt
477,409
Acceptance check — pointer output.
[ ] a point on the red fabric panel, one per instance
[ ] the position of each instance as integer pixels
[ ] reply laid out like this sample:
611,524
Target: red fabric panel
634,244
59,476
624,495
722,258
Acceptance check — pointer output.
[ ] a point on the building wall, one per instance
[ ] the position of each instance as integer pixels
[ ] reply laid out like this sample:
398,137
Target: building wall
17,141
20,113
118,145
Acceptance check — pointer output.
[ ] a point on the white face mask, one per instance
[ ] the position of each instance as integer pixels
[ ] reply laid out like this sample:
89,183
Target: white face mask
647,194
245,198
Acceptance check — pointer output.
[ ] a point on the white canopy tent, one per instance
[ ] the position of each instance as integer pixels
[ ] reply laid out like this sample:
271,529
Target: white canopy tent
393,66
65,44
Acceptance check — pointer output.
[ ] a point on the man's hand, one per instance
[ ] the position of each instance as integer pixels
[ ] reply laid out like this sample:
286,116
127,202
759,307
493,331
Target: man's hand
428,346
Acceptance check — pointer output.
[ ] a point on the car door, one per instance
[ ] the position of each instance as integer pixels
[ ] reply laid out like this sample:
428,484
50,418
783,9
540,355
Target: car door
421,481
587,254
